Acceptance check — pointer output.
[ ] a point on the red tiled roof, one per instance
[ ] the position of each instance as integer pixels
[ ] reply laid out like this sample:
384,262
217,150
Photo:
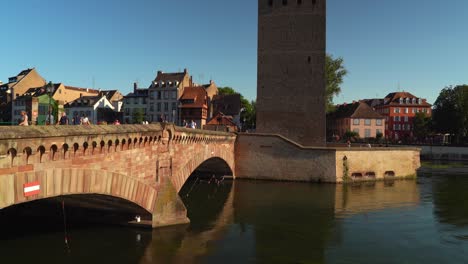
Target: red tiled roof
355,110
221,119
194,97
394,99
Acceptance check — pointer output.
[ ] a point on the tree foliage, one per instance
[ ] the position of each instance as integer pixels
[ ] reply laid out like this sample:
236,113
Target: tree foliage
450,113
334,73
248,113
421,126
138,116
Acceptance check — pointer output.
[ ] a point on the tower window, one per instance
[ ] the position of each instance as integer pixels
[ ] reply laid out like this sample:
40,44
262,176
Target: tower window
314,2
299,2
270,2
285,2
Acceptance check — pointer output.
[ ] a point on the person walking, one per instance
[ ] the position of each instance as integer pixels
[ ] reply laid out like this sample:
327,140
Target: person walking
24,119
193,124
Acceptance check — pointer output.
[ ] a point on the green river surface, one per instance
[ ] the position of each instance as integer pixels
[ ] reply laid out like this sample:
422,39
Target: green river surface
408,221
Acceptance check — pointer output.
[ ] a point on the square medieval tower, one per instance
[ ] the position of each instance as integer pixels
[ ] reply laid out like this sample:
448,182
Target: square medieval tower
291,69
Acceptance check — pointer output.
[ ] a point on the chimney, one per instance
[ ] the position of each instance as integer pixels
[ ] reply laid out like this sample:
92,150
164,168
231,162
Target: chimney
81,95
160,72
191,81
135,87
211,82
185,70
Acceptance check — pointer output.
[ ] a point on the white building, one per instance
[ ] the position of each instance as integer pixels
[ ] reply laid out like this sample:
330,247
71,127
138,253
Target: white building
98,109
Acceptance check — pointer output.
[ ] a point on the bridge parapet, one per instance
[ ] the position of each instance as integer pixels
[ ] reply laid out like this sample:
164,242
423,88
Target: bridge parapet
144,164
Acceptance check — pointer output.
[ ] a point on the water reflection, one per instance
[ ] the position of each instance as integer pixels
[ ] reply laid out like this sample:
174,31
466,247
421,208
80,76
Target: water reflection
271,222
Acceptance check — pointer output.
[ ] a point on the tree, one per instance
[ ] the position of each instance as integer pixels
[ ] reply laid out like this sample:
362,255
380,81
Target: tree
248,110
334,74
450,113
138,116
351,135
421,126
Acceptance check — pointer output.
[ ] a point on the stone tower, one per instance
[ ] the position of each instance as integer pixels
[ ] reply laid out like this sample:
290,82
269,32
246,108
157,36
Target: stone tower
291,69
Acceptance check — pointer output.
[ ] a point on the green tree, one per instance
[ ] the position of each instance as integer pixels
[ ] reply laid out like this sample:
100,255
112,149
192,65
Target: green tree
450,113
421,126
138,116
334,73
351,135
248,113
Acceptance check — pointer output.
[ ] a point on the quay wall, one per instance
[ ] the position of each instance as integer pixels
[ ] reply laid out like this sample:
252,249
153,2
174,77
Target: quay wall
444,153
274,157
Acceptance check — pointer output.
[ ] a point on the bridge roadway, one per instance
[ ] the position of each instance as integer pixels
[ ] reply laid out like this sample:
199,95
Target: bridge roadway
143,164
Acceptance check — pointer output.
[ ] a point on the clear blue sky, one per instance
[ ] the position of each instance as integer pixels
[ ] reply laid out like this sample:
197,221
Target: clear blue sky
417,45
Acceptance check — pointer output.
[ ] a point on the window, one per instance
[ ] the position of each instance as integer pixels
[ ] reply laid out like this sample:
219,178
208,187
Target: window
285,2
270,2
174,107
396,118
174,95
159,94
166,94
367,122
166,106
356,122
378,122
378,131
151,108
356,130
413,110
406,110
299,2
406,119
158,107
367,133
396,110
401,100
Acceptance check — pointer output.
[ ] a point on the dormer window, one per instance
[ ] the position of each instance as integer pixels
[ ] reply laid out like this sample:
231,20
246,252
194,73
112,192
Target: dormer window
161,84
414,100
408,100
419,101
401,100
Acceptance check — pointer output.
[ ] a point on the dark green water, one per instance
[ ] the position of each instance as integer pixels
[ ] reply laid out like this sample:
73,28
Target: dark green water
416,221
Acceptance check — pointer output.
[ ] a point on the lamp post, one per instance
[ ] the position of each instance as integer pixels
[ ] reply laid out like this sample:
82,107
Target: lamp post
50,90
10,96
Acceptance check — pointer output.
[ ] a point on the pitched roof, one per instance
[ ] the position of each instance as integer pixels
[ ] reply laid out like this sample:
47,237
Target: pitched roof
84,101
88,90
138,93
394,99
355,110
221,119
170,77
194,97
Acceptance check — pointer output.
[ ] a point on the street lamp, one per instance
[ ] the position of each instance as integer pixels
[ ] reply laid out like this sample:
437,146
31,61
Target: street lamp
50,90
10,96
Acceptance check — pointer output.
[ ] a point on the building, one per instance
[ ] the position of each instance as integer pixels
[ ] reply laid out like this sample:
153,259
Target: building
36,102
229,105
194,105
164,94
221,122
98,109
358,117
17,86
211,90
399,109
291,65
135,105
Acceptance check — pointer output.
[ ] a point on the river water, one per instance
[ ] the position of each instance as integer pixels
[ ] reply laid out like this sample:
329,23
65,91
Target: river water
411,221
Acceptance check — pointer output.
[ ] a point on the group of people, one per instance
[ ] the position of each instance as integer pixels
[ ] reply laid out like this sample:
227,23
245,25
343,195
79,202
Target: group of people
191,124
63,120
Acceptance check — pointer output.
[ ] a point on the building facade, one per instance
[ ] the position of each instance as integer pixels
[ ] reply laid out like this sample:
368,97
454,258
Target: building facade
291,65
97,108
357,117
135,105
164,94
399,109
37,103
194,105
17,86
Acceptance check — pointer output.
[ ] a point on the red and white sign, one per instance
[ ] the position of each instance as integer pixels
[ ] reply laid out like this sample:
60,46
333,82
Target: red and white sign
31,188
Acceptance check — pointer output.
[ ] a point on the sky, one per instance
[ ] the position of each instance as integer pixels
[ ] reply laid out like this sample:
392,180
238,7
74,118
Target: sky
419,46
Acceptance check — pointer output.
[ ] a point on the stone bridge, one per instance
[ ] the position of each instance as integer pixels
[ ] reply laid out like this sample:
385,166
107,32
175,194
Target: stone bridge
146,165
